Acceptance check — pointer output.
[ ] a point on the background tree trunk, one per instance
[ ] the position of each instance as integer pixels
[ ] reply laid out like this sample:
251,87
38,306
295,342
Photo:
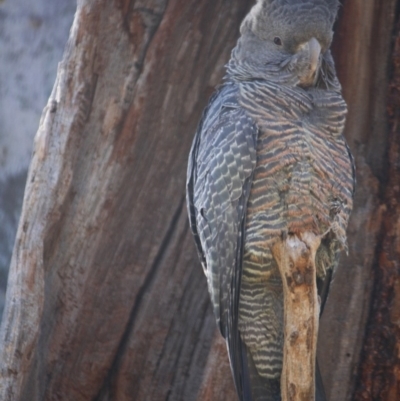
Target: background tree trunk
32,38
362,48
106,298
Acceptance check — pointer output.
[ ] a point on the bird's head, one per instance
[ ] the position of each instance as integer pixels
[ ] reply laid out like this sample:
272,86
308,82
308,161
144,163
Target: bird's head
287,40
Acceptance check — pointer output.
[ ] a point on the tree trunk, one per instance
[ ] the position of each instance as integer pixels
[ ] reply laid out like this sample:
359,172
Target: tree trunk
32,39
362,48
106,298
379,373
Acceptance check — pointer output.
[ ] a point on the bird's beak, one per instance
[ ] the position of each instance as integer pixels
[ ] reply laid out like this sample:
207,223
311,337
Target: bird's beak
311,51
314,50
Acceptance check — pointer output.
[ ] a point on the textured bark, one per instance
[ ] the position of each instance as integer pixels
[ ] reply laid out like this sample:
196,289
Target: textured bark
362,49
106,297
32,39
217,383
379,377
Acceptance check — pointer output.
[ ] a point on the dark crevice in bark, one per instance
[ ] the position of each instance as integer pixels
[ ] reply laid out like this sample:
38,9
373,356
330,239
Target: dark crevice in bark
89,96
379,61
176,364
177,357
177,253
150,21
189,356
142,40
150,277
206,309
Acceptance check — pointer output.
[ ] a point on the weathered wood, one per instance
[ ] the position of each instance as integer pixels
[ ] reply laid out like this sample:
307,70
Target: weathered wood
295,257
32,40
106,298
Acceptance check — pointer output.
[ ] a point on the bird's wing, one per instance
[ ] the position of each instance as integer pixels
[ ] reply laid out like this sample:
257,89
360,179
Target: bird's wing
221,164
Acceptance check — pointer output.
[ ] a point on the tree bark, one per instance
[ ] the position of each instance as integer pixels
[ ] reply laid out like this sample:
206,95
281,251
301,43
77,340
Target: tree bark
379,373
362,47
106,298
32,39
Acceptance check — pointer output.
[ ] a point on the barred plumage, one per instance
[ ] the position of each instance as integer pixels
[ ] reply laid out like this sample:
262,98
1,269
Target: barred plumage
269,161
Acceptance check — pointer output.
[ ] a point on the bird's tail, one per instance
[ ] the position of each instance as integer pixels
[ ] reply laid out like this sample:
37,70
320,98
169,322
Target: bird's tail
255,388
252,386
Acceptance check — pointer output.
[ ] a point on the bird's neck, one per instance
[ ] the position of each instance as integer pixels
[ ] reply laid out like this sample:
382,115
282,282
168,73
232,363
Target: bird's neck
242,70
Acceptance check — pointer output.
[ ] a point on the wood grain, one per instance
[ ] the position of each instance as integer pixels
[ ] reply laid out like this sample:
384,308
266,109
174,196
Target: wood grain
106,298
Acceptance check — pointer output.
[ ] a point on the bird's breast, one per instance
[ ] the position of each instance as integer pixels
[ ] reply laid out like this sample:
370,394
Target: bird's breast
302,180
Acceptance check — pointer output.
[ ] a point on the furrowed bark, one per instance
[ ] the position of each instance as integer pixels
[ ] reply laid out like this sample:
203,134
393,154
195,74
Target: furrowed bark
361,49
379,372
106,299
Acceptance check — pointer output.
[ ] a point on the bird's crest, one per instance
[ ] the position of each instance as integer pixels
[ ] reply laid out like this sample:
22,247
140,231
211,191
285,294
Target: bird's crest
269,14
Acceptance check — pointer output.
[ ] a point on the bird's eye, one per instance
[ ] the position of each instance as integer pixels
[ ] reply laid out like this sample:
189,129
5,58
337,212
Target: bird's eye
277,41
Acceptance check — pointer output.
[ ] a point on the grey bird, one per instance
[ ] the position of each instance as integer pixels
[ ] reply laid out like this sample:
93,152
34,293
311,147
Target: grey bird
269,160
